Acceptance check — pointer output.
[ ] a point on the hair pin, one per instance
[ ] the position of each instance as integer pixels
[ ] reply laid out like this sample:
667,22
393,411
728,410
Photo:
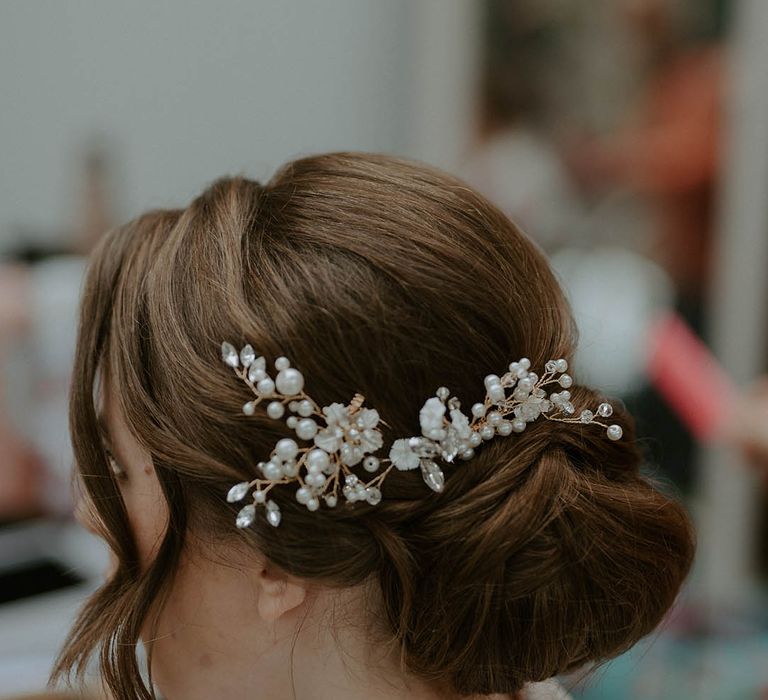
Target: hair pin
337,437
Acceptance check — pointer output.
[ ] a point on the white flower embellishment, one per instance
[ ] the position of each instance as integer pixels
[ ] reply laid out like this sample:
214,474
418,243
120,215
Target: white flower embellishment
341,436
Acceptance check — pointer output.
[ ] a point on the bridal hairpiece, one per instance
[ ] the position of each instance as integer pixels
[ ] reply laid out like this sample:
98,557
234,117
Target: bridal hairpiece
339,436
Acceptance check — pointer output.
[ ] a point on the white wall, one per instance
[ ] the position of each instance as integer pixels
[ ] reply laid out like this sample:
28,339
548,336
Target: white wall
189,90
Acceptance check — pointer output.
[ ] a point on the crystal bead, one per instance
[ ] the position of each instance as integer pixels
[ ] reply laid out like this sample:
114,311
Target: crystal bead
562,365
247,356
586,416
229,354
260,497
371,463
605,410
350,480
238,492
256,373
614,432
373,495
551,366
273,513
566,381
246,516
432,474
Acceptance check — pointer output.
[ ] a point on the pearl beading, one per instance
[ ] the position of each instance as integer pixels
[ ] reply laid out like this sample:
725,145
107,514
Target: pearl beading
344,436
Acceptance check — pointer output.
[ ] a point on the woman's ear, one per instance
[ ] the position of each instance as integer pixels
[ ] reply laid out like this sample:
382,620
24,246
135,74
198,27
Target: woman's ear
278,593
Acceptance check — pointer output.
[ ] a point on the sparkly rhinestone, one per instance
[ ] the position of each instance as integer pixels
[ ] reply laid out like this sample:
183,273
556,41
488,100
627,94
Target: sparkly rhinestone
273,513
247,356
432,474
246,516
229,354
605,410
551,366
237,492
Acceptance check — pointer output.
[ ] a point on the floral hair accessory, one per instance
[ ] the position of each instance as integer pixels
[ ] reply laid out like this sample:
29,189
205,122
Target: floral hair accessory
337,437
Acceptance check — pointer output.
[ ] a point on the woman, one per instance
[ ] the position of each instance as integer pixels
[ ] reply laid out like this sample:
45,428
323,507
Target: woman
367,282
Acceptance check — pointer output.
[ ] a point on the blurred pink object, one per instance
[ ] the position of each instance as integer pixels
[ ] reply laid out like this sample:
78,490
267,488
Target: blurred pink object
691,380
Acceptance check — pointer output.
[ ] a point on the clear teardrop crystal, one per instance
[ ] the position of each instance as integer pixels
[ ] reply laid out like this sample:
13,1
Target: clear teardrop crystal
229,354
247,356
246,516
273,513
433,475
238,492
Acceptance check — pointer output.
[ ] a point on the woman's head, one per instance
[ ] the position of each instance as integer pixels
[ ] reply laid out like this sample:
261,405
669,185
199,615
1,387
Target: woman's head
383,277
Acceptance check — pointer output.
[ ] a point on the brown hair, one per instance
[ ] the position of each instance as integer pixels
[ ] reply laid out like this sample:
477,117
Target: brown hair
380,276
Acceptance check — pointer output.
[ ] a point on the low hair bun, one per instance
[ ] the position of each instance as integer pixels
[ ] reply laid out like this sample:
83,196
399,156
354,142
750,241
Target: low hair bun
547,551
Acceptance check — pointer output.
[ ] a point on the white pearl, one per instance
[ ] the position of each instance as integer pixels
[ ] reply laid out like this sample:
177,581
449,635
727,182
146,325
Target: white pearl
317,459
249,408
513,367
467,454
313,504
290,381
475,439
306,429
491,380
525,363
525,385
566,381
478,410
331,500
504,428
293,406
265,386
496,392
614,432
303,495
290,468
371,463
272,471
286,448
275,410
487,432
282,363
305,408
260,496
518,425
562,365
291,422
443,393
494,418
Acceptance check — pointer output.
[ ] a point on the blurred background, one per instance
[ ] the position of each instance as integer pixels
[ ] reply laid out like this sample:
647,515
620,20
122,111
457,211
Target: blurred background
629,138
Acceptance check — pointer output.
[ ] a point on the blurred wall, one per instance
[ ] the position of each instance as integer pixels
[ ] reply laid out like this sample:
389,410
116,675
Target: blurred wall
182,91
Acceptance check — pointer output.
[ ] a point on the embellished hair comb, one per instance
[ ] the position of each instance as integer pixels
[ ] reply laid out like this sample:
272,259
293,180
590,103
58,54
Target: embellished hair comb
341,436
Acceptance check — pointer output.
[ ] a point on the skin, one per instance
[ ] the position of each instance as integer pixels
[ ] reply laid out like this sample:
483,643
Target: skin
238,631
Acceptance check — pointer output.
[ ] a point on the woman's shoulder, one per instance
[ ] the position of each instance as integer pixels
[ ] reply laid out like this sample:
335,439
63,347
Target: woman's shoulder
548,690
